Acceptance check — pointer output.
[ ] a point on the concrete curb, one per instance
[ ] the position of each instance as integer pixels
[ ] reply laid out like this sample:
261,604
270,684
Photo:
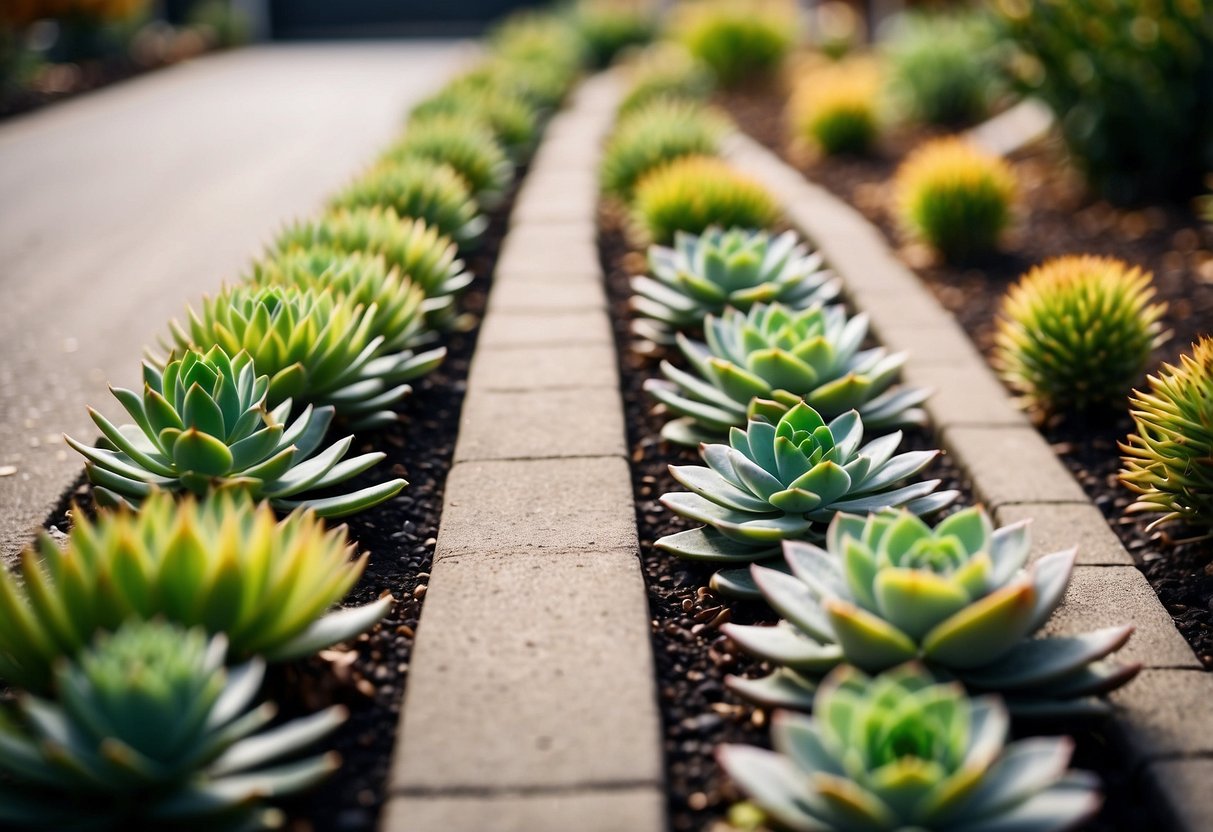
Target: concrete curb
1164,716
531,702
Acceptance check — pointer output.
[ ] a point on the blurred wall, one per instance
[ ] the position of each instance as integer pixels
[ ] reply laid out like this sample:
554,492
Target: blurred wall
292,19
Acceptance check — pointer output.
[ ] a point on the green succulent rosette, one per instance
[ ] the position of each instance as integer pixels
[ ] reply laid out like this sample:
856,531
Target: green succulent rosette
961,598
151,731
902,751
202,424
705,274
513,120
781,356
464,143
787,481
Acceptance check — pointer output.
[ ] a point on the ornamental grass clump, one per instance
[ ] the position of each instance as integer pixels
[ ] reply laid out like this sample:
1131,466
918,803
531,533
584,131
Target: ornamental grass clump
961,598
835,108
151,731
607,27
654,136
955,197
513,120
703,274
1168,459
692,194
202,424
738,39
224,564
316,348
466,145
420,188
665,72
943,67
1076,333
905,751
785,480
768,359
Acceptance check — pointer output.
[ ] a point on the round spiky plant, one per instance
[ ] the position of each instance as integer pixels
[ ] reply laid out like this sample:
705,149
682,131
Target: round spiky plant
465,144
513,120
1168,459
903,751
768,359
422,188
693,193
836,108
151,731
609,26
202,424
224,564
738,39
1076,332
542,85
706,273
887,588
661,132
955,197
665,71
782,480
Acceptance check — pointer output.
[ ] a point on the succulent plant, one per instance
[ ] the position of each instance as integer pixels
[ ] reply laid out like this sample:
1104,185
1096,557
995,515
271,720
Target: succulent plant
223,564
1076,332
316,348
530,38
151,731
692,194
542,85
513,120
738,39
1167,457
202,425
665,71
703,274
649,138
835,108
887,588
466,145
955,197
780,356
903,751
421,188
943,68
609,26
785,480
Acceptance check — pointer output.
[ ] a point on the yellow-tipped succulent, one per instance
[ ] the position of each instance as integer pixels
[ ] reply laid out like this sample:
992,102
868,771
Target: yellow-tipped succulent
835,108
1077,331
738,39
955,197
695,192
656,135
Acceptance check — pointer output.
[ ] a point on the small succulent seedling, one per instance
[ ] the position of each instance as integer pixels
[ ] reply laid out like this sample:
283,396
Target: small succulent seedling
904,751
655,135
465,144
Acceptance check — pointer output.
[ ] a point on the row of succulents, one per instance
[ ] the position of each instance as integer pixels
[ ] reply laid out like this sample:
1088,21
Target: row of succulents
911,645
137,645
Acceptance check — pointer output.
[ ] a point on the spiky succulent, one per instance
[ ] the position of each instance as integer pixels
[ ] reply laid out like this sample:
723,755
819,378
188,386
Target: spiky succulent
223,564
609,26
1168,459
417,251
887,588
202,424
738,39
465,144
655,135
422,188
542,85
665,71
513,120
836,107
1076,332
785,480
317,348
703,274
903,751
365,279
779,356
151,731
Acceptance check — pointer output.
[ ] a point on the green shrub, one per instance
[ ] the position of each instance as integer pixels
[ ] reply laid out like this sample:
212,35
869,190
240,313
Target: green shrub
738,39
695,192
607,27
835,108
1076,332
513,120
942,67
955,197
465,144
665,71
1130,81
658,134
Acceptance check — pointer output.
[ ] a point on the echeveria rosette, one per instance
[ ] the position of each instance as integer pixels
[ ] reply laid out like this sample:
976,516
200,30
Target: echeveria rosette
202,424
224,564
777,357
784,481
704,274
961,598
903,751
151,731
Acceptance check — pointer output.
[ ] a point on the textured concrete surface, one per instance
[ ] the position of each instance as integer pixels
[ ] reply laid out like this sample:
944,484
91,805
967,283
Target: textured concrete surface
1161,714
120,207
1011,465
616,810
578,423
964,394
522,330
545,368
1183,786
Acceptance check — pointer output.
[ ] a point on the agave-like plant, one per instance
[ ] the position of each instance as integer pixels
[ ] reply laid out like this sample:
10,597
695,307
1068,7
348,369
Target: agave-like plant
512,119
704,274
780,356
903,751
151,731
887,588
316,347
466,144
782,481
202,424
224,564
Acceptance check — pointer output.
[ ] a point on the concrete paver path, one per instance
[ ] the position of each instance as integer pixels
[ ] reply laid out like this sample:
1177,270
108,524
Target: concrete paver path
118,208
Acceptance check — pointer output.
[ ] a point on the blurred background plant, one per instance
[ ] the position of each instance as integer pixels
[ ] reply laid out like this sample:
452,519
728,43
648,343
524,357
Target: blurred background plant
609,26
835,107
738,39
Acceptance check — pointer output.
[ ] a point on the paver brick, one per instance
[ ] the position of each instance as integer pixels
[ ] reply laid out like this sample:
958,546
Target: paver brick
519,296
554,198
945,345
541,424
634,809
964,394
1182,788
1058,526
545,368
537,505
891,303
1011,465
532,669
520,330
1158,714
538,251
